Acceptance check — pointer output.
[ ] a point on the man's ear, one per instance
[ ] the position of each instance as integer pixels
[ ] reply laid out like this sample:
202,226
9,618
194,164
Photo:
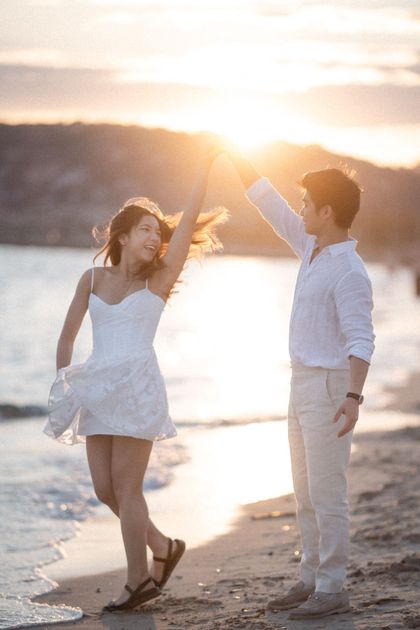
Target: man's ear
326,212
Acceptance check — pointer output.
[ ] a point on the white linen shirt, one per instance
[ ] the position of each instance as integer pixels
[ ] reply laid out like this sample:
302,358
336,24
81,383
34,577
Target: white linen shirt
331,316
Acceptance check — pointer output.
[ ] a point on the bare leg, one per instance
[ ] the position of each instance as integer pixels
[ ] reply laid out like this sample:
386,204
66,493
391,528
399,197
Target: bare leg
99,450
130,457
99,455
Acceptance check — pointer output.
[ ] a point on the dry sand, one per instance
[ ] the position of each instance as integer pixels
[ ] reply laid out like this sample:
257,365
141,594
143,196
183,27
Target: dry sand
227,583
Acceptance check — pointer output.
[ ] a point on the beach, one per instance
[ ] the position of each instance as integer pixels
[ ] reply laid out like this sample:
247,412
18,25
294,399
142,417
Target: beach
227,582
227,373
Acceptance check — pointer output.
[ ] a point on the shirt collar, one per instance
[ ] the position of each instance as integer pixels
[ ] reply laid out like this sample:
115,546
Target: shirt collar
339,248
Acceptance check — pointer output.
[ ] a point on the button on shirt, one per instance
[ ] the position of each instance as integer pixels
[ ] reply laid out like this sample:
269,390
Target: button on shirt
331,317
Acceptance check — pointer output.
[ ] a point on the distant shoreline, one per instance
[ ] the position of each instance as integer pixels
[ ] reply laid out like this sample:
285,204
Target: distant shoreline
392,257
60,180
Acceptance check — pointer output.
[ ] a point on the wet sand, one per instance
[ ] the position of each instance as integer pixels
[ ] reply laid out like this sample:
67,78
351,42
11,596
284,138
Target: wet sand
227,582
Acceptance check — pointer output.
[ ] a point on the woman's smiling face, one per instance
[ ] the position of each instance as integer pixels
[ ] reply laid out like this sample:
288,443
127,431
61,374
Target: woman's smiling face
144,239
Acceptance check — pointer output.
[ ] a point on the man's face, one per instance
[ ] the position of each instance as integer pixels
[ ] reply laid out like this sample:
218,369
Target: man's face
311,218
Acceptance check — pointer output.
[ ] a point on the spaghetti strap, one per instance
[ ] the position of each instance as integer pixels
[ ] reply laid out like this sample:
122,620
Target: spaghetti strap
147,283
92,279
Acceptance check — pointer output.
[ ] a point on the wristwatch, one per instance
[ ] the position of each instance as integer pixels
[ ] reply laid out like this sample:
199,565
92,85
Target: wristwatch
357,397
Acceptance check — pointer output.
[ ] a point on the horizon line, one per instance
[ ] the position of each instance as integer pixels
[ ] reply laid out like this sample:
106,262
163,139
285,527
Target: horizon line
14,121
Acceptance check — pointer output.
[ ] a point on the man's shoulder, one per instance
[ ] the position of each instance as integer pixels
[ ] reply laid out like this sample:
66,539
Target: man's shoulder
356,262
353,265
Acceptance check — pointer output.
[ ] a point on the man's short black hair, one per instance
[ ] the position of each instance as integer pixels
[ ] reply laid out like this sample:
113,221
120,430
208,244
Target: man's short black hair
335,188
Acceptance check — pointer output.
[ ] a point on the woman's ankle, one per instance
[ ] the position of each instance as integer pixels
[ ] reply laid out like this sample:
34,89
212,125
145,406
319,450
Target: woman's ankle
159,546
136,579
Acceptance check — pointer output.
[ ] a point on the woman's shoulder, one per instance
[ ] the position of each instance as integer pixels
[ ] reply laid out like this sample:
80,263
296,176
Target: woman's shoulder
108,269
100,271
92,275
93,272
84,284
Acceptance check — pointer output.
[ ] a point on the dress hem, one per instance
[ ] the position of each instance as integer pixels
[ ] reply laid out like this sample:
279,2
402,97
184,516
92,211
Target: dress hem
78,438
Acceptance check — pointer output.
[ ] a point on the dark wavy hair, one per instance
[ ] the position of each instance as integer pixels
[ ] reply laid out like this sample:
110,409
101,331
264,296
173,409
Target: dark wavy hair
204,238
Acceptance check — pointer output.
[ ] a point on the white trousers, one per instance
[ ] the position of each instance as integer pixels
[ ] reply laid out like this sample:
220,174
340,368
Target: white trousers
319,466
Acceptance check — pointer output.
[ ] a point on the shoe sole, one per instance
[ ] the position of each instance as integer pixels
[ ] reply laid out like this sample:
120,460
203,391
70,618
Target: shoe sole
282,607
286,606
337,611
147,597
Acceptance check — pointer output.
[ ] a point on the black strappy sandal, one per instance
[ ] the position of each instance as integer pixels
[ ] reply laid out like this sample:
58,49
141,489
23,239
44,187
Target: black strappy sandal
138,596
171,560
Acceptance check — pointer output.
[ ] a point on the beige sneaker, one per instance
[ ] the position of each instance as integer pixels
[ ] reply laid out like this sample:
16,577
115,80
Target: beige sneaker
296,595
322,604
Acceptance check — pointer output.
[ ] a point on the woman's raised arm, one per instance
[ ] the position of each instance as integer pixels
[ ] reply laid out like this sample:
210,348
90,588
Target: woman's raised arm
179,245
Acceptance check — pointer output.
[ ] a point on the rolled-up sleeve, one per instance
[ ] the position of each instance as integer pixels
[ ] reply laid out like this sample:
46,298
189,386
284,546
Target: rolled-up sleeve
277,212
354,303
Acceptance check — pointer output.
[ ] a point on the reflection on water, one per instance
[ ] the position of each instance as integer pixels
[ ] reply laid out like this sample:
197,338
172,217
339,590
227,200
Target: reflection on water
238,465
227,331
223,340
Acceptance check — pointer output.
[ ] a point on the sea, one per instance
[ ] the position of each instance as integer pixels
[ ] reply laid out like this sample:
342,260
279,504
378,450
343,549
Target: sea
222,346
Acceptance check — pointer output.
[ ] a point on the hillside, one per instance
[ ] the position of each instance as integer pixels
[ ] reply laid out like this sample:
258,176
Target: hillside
56,181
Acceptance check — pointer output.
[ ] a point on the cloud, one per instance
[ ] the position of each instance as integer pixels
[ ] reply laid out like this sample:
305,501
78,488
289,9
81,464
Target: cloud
26,89
291,66
220,44
359,105
44,57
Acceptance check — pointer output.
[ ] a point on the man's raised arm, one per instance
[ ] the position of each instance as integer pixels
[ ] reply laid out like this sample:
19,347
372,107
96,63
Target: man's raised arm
247,173
273,208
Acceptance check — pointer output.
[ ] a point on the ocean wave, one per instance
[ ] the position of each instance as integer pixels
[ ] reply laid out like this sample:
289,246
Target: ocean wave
46,491
8,411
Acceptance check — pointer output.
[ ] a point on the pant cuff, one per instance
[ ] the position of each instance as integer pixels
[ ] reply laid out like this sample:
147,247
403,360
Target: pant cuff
329,586
307,578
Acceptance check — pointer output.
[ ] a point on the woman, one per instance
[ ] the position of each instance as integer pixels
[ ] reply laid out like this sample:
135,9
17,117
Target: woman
116,400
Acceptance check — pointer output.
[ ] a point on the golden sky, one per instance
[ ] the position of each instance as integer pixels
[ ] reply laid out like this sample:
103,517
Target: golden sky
344,75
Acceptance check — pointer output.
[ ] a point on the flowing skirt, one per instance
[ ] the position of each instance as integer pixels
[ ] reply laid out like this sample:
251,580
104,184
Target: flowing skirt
125,397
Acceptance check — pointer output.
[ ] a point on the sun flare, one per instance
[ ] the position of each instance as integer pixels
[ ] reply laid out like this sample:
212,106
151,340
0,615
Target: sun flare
246,124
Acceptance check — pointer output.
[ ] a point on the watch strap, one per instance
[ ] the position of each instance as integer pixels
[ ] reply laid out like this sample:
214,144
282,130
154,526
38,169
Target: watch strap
357,397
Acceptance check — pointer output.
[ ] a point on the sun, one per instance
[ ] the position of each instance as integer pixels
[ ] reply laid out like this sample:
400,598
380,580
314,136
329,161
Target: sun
248,123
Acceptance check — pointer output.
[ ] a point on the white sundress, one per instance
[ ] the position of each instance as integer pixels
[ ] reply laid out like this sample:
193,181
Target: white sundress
119,390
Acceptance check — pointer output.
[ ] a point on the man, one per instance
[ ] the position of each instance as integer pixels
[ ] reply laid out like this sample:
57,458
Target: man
331,344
